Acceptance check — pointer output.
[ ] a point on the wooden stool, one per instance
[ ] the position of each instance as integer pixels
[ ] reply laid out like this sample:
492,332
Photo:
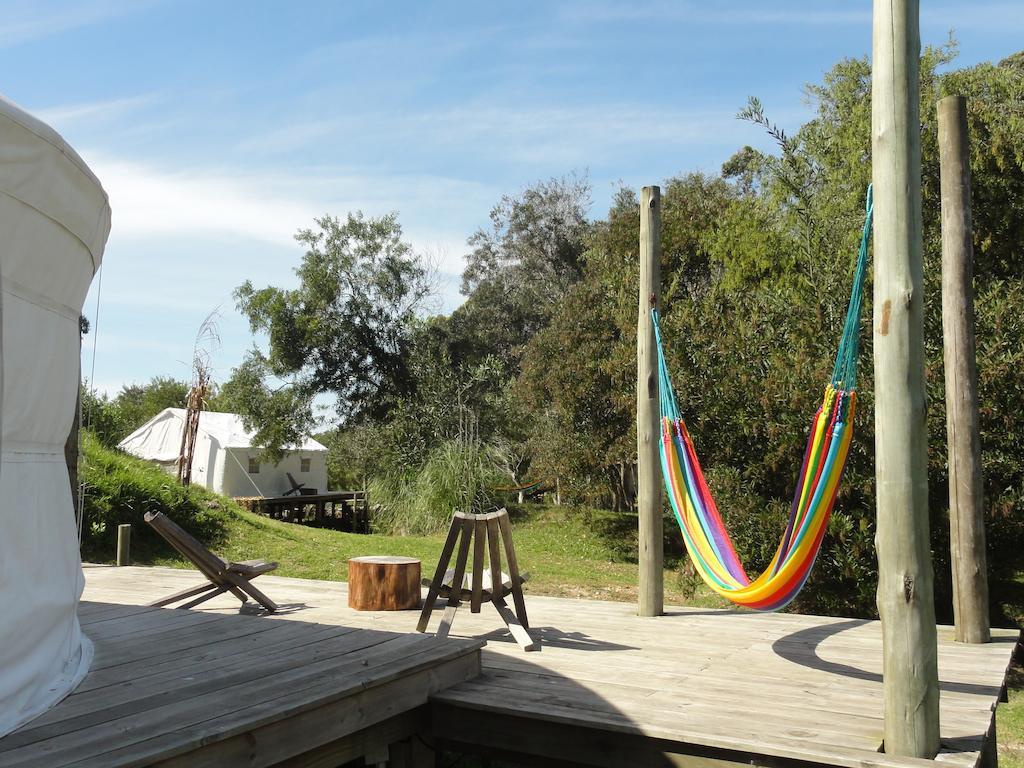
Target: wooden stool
383,583
489,531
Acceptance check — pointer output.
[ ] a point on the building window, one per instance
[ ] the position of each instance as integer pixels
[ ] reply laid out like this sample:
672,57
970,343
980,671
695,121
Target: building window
304,465
254,465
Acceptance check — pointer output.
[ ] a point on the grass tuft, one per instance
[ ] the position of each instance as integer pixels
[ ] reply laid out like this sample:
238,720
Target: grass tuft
457,475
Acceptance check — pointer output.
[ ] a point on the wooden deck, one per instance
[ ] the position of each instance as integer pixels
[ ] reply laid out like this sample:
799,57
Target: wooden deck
339,510
191,688
695,687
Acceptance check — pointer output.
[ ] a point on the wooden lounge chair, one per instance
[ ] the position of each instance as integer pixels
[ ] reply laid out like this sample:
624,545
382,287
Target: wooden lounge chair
222,575
298,488
295,485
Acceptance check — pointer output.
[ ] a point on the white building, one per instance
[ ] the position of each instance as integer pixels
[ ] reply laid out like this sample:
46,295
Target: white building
225,459
54,218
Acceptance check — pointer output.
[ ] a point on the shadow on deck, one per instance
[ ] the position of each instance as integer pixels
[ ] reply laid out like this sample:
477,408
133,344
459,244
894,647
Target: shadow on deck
190,688
696,688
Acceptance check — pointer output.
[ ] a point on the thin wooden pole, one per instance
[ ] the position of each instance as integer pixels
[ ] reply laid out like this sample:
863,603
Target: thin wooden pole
648,413
905,592
966,511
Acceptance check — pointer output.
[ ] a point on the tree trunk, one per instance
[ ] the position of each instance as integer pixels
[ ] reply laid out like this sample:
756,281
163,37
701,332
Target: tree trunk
383,583
648,426
905,593
966,510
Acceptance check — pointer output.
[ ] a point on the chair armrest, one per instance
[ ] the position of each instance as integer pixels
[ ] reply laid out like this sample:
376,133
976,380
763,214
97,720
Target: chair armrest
251,567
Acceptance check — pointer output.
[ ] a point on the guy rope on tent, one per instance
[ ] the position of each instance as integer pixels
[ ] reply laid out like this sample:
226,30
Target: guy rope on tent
828,445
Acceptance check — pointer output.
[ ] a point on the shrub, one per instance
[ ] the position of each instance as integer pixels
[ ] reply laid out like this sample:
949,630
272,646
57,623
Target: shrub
457,475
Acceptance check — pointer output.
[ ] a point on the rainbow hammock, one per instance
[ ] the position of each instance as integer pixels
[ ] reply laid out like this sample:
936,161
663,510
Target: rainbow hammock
831,433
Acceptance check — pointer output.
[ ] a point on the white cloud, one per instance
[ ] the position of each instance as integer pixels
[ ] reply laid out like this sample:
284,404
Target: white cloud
65,116
551,136
142,296
288,137
26,21
149,203
204,203
574,136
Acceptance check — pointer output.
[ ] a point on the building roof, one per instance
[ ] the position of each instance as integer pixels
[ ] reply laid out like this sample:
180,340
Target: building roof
159,438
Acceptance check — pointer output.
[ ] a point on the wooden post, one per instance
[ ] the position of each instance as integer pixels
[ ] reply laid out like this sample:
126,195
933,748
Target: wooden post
966,512
124,543
648,413
905,592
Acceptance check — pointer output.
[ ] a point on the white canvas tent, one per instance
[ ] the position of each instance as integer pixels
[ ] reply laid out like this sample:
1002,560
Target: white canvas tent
225,460
54,221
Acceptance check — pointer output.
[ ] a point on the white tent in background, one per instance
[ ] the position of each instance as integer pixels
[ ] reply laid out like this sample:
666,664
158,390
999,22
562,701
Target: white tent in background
54,221
225,459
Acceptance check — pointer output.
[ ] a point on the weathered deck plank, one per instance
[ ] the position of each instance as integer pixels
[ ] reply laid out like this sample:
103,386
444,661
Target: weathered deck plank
200,688
692,686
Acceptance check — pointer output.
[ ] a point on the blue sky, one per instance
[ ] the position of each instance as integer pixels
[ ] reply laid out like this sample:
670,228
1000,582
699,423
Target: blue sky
220,128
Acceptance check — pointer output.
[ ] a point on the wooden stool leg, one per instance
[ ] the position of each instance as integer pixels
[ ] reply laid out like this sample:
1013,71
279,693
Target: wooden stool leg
513,567
455,595
494,546
515,628
442,566
479,542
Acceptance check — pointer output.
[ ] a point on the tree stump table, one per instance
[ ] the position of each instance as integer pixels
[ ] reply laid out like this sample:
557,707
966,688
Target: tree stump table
383,583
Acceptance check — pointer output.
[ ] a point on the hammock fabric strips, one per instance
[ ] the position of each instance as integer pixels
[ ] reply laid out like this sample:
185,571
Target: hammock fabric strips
831,433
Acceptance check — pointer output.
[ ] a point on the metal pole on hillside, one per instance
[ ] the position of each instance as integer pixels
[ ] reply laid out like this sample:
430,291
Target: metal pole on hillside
966,513
905,592
648,411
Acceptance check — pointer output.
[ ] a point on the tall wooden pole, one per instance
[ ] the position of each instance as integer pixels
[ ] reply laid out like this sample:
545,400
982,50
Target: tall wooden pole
648,412
905,593
966,513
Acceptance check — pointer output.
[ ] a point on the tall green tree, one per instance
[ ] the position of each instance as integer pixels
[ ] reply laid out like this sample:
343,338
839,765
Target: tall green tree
344,332
113,419
521,266
578,376
138,403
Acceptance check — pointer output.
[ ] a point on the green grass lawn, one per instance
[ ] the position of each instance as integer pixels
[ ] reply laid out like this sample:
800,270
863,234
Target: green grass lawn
1010,722
1010,716
567,553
